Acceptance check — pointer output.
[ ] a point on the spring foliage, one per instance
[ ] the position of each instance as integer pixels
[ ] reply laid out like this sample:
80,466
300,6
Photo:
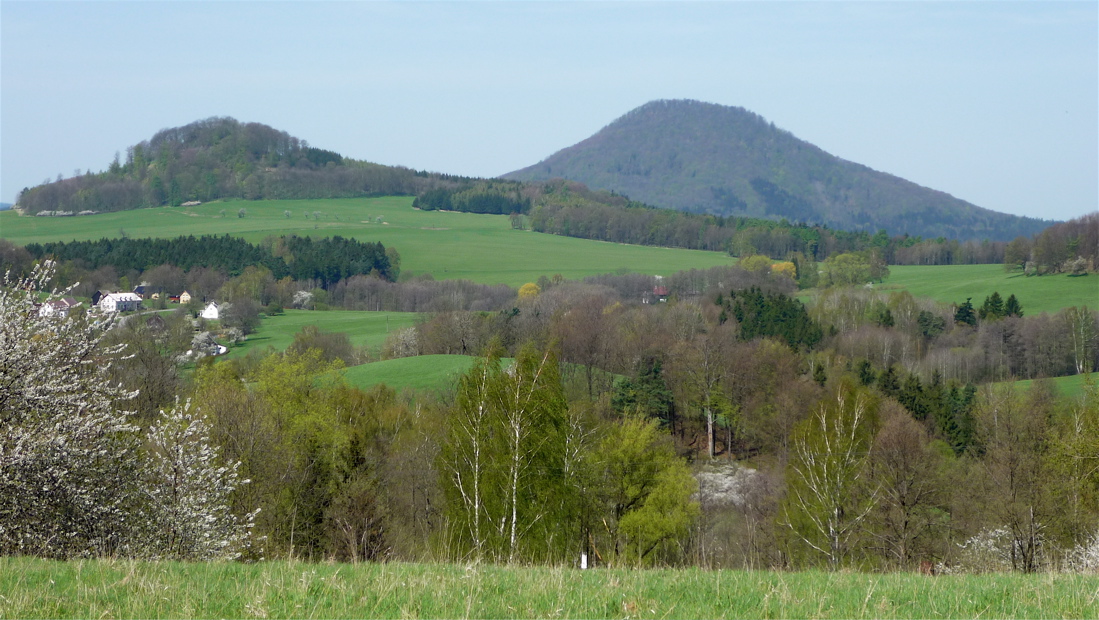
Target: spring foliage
188,491
75,479
68,454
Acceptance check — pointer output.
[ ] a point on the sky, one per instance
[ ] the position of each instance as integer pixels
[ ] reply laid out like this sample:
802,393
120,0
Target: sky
994,103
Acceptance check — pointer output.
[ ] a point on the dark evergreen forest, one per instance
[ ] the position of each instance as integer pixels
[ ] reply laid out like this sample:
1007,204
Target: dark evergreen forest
326,260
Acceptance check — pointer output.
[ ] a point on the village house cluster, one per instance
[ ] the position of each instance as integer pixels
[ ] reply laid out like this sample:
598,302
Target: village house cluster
108,302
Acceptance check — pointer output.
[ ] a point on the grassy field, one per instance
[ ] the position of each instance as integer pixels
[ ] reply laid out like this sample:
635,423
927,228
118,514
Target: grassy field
1071,387
424,372
370,329
483,248
362,328
35,588
954,283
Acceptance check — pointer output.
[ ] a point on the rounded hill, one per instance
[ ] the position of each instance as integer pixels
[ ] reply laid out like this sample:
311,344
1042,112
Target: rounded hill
709,158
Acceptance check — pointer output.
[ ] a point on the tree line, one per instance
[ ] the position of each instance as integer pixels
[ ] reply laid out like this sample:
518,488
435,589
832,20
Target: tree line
327,259
570,209
1067,247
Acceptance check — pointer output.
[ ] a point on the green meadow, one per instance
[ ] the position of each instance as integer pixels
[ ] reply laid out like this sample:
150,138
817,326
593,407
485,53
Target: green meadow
1072,387
423,372
364,329
34,588
954,283
482,248
369,329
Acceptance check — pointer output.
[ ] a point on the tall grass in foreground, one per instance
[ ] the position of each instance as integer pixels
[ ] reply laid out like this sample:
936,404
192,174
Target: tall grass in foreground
33,588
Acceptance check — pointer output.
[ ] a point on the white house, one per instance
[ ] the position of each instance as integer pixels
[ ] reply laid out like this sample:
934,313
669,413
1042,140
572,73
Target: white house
211,312
58,307
120,302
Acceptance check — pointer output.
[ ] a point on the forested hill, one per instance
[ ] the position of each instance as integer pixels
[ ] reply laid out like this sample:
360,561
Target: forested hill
723,160
223,158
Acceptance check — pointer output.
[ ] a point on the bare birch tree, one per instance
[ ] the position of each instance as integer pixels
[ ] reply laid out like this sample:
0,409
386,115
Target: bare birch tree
828,499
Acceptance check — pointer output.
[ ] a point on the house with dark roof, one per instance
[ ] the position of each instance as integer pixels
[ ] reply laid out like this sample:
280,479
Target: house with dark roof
58,307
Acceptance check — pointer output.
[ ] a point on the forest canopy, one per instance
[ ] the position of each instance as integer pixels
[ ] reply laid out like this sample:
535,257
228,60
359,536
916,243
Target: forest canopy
327,260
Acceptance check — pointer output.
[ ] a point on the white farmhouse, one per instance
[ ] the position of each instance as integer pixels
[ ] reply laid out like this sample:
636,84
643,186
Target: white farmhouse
58,307
120,302
211,312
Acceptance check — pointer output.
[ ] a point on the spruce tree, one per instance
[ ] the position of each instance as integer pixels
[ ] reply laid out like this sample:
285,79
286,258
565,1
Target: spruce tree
1012,307
964,313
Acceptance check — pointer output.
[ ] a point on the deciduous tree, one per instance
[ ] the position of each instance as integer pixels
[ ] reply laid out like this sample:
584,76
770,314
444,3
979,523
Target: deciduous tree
829,493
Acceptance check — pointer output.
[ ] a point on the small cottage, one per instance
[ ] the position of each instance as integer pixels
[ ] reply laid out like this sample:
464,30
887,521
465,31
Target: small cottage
211,312
184,297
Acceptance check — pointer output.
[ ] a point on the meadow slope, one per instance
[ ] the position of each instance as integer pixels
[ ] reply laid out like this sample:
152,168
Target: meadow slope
482,248
954,283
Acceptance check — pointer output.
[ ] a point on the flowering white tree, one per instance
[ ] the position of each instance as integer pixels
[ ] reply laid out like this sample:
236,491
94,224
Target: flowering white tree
188,490
68,453
74,479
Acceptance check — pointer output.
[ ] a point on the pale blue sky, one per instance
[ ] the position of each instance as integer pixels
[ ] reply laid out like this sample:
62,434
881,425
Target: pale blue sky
995,103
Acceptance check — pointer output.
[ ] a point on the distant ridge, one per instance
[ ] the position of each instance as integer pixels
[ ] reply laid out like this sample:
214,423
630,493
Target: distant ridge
709,158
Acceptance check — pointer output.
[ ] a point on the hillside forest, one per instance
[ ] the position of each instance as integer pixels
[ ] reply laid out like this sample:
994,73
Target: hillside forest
772,414
722,160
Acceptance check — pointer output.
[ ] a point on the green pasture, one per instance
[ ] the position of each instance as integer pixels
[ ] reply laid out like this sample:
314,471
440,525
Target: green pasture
34,588
368,329
954,283
482,248
1072,386
423,372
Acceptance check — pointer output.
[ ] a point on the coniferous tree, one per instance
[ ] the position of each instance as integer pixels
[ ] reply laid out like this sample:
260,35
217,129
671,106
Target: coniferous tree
992,308
964,313
888,382
930,324
1012,307
647,394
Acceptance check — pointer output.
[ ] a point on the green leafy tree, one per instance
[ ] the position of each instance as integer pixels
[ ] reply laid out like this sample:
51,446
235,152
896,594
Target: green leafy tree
644,494
1011,431
930,324
504,461
1074,457
849,269
699,367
